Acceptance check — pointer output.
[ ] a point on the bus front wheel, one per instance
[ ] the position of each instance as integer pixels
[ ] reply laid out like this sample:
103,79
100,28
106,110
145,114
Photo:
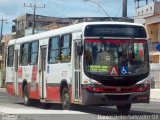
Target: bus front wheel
65,99
124,109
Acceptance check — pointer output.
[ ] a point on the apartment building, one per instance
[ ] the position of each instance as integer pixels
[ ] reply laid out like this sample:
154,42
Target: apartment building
149,15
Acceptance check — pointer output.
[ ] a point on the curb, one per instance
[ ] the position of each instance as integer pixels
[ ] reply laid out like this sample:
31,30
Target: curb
154,100
2,89
155,94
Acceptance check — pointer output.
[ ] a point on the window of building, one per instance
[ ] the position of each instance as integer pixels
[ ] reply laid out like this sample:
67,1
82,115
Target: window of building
18,24
10,56
54,50
30,24
66,48
24,54
147,10
34,52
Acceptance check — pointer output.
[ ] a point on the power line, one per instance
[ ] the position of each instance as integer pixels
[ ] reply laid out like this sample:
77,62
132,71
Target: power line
101,8
34,14
119,10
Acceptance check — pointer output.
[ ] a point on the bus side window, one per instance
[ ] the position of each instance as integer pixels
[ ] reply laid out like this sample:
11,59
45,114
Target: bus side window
34,52
54,50
10,56
66,48
24,54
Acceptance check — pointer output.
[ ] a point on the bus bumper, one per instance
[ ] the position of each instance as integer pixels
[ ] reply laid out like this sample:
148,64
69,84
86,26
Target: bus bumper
111,99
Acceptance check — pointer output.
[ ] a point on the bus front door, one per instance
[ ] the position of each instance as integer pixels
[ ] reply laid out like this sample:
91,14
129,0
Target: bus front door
42,72
76,82
15,82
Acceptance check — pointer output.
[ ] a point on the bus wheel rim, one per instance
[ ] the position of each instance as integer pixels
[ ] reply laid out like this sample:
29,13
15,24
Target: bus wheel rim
66,100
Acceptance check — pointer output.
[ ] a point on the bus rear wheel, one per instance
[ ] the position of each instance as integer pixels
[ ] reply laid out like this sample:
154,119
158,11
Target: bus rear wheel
124,109
65,99
26,96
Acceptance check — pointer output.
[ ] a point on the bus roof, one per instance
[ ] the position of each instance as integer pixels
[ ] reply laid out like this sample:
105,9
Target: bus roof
64,30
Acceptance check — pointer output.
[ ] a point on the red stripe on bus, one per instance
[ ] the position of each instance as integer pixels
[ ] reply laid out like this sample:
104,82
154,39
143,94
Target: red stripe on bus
53,93
33,94
20,92
10,89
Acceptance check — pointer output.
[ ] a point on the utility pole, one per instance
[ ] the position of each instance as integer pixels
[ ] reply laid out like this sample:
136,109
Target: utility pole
34,14
2,20
124,11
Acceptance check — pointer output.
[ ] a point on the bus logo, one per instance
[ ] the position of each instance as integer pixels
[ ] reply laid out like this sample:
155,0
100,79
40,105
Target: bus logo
114,70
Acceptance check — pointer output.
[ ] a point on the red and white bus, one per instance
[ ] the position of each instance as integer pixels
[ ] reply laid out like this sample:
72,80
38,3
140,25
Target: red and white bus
90,63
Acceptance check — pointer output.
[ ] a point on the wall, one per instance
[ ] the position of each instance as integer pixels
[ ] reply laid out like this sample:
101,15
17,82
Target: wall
152,30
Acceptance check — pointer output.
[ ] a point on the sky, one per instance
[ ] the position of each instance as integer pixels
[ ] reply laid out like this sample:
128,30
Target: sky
10,9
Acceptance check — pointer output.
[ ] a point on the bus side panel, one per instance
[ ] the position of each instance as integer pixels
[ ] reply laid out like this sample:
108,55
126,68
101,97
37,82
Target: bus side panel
53,82
53,93
55,74
9,88
33,86
25,74
33,94
9,80
20,89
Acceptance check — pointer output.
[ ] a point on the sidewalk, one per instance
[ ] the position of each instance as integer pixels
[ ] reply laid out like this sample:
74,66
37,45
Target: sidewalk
2,89
155,94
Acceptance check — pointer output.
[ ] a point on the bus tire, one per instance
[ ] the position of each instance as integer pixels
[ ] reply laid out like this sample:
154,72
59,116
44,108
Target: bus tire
124,109
65,99
26,96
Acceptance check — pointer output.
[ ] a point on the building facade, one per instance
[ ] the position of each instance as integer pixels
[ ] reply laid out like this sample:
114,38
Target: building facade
3,57
24,24
149,15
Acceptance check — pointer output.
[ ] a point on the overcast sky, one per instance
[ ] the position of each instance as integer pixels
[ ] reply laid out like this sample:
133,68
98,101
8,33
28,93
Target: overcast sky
10,9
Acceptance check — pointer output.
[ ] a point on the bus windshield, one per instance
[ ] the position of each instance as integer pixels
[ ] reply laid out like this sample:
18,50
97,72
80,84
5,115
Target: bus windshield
112,57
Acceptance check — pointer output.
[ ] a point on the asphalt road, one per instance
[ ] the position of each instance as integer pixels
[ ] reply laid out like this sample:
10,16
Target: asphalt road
12,108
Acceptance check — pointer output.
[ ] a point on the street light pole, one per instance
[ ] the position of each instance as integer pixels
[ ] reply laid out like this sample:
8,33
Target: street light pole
101,8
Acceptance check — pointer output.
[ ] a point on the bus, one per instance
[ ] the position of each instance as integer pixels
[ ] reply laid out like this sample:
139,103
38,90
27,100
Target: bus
90,63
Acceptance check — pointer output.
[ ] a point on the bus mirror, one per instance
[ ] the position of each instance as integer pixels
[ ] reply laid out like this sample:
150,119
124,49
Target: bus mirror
80,49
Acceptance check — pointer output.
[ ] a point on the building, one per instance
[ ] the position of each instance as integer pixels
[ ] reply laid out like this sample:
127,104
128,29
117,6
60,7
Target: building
149,15
24,24
4,42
